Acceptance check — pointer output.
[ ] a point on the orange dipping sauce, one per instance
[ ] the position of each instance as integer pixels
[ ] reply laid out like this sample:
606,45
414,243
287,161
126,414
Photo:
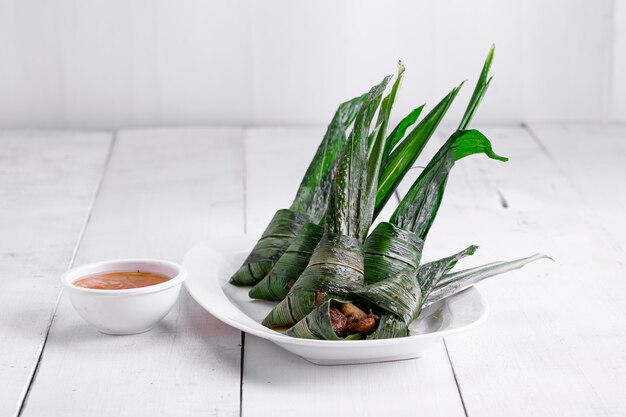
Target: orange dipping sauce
122,280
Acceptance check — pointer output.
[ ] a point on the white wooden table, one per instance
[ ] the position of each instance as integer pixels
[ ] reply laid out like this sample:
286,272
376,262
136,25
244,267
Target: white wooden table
554,344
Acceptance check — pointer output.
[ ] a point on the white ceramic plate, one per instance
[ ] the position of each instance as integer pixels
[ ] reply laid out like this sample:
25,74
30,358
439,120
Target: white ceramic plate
211,264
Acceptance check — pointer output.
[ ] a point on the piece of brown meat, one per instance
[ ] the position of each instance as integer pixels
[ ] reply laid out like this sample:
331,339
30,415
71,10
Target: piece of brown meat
352,312
365,325
338,321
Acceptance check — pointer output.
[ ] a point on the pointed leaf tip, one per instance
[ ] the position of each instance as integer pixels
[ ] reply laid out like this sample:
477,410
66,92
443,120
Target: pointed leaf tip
491,154
471,249
401,67
542,256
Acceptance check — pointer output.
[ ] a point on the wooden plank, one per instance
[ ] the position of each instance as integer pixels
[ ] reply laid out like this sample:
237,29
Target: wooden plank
164,191
276,382
554,341
592,157
48,181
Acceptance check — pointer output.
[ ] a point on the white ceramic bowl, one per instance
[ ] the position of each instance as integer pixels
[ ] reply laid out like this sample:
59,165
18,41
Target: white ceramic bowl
211,264
130,311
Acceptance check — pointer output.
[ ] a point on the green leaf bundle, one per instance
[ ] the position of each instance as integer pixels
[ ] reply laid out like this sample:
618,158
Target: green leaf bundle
309,204
336,265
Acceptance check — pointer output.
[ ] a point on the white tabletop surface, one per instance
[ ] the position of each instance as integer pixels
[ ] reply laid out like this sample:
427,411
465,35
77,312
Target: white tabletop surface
554,344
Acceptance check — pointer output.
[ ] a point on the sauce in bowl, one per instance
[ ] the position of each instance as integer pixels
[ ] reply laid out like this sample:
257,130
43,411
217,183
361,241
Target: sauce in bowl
122,280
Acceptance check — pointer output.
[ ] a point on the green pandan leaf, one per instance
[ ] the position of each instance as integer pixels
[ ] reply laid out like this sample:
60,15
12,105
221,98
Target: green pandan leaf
418,208
389,327
404,293
349,212
405,154
307,198
398,132
385,108
316,324
479,91
377,148
455,282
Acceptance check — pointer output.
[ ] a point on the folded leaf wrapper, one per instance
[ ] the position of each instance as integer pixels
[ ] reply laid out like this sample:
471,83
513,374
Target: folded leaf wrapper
336,266
287,270
404,294
276,238
389,327
318,325
277,283
335,269
310,202
389,250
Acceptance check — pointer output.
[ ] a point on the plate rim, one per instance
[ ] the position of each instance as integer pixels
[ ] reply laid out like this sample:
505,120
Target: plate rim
280,338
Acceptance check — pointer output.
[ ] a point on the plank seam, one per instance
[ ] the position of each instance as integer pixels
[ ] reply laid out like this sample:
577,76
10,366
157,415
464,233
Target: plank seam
543,148
456,380
243,345
245,230
21,404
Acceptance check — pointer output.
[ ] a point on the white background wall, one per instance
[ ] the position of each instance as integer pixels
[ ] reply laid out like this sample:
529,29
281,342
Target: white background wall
618,96
116,63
